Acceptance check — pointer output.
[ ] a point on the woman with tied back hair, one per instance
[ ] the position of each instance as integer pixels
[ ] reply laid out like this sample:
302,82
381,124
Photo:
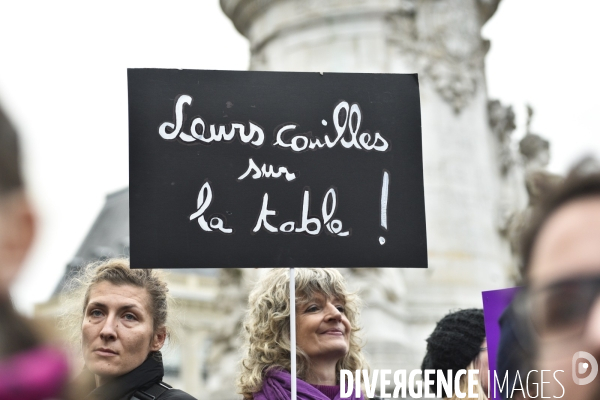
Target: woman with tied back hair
326,330
29,368
122,323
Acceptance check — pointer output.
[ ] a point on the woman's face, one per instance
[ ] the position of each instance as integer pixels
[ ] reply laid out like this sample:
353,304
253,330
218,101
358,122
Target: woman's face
17,226
117,330
322,328
483,366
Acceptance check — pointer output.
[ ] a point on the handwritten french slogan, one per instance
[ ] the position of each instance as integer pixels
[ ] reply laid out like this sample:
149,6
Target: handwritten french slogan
275,169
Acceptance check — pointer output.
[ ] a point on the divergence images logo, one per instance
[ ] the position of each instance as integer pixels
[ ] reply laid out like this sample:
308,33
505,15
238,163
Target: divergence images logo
581,367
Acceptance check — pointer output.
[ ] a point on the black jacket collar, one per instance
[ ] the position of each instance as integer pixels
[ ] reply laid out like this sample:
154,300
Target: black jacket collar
151,371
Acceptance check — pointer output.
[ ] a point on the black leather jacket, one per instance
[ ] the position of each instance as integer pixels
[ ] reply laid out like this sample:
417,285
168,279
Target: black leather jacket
124,387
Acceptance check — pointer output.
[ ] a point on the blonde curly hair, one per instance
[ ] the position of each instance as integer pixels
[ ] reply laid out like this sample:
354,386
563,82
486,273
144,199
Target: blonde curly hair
267,324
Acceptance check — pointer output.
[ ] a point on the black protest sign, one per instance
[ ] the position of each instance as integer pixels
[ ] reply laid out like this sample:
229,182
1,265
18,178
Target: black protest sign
275,169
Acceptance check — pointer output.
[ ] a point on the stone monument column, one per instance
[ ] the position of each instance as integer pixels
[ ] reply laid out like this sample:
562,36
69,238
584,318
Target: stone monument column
441,40
191,343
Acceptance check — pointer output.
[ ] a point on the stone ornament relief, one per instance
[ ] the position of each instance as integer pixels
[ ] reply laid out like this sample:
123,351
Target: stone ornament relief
442,39
522,164
502,124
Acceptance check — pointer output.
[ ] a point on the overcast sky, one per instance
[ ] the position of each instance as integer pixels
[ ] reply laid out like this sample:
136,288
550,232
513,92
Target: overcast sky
63,81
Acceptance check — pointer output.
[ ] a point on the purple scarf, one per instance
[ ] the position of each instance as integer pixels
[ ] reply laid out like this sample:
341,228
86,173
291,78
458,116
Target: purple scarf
277,386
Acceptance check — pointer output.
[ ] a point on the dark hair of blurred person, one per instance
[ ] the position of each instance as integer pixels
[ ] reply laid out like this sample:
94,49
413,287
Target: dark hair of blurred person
561,268
582,182
458,342
512,356
29,369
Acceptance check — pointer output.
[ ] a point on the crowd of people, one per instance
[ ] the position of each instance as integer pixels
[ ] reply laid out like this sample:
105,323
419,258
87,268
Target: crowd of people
121,318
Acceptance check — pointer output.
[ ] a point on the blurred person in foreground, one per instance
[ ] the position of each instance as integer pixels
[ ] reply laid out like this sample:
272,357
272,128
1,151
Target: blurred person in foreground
458,342
120,317
511,357
561,267
29,368
326,331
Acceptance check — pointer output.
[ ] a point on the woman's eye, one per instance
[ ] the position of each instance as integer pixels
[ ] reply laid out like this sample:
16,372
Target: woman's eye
130,317
341,308
312,308
96,313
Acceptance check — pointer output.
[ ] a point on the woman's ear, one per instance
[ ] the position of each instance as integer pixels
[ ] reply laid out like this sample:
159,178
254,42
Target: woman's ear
158,340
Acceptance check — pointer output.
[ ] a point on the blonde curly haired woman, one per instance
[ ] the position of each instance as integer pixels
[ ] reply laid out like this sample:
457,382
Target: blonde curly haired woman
326,329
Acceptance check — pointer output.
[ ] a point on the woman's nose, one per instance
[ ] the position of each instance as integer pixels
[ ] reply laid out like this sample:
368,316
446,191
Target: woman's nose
333,312
109,329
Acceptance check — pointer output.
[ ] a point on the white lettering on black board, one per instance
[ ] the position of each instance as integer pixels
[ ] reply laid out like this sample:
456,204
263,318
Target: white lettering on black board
266,171
217,222
310,225
215,133
347,120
